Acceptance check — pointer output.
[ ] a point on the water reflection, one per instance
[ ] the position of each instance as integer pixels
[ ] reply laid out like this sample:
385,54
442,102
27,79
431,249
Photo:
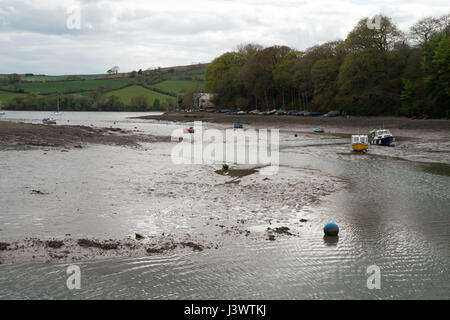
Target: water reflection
394,214
331,240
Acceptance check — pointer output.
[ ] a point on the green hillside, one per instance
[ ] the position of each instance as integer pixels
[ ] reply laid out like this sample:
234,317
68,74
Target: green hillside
178,86
69,86
127,94
86,92
6,96
42,78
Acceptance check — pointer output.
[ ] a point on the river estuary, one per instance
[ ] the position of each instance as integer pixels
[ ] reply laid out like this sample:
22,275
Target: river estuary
393,212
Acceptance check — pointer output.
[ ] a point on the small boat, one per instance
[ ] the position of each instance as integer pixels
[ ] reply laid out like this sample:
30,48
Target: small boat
190,130
48,121
57,113
2,113
319,130
360,143
270,113
382,137
238,126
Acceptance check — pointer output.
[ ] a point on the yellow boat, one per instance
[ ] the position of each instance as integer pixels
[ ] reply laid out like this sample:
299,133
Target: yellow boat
360,143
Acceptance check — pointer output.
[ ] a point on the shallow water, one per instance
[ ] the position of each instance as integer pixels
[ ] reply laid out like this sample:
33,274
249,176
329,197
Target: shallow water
392,213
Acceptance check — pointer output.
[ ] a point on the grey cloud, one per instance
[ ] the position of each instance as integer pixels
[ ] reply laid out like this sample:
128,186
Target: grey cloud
134,34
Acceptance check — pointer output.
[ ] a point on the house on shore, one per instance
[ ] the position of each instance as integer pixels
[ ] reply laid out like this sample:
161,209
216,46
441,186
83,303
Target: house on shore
204,100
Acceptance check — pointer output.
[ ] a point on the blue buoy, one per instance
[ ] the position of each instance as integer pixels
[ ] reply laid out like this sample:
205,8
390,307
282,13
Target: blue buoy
331,229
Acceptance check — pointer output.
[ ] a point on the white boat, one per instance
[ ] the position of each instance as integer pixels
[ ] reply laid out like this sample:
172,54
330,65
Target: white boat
49,120
2,113
319,130
57,113
382,137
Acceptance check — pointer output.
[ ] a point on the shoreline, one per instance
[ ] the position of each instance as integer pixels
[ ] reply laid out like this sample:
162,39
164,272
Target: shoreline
27,136
335,124
23,136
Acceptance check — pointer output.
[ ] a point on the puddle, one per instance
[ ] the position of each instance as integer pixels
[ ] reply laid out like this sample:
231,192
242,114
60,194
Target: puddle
437,168
237,173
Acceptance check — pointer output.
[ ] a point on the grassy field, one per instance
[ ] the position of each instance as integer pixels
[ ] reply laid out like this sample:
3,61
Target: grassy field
126,94
173,80
178,86
64,86
41,78
6,96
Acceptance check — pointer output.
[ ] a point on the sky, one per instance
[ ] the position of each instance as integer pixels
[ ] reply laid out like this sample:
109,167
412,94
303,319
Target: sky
91,36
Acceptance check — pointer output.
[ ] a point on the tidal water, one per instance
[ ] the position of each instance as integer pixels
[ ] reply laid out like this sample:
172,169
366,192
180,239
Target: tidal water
392,213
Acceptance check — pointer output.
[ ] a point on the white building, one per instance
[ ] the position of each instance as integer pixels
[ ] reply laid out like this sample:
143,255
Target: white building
204,100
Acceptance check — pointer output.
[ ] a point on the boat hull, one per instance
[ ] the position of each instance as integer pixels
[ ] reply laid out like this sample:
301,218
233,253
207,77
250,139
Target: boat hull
360,147
387,141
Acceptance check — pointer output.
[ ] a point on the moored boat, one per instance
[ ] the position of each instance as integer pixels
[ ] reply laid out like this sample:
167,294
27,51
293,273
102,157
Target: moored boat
319,130
360,143
2,113
48,121
190,130
382,137
238,126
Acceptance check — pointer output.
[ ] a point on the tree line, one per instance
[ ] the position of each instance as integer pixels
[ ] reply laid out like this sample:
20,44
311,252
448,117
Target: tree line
376,70
95,101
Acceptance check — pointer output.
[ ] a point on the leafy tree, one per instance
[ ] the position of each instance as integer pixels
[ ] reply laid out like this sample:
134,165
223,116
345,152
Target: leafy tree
139,103
282,75
14,78
156,104
424,29
114,103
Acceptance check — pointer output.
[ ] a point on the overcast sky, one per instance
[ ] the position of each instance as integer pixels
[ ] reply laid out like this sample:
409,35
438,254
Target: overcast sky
43,36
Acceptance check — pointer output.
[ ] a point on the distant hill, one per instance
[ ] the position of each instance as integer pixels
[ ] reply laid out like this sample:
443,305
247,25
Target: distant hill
128,93
164,83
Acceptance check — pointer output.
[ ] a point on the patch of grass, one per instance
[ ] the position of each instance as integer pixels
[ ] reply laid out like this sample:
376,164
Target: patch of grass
127,94
6,96
66,86
178,86
40,77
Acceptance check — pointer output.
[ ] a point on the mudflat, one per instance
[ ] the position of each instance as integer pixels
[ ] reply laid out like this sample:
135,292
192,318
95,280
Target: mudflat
25,136
337,124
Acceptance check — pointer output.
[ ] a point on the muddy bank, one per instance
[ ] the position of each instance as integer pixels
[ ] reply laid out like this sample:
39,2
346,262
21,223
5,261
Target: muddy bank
178,214
25,136
68,249
337,124
77,250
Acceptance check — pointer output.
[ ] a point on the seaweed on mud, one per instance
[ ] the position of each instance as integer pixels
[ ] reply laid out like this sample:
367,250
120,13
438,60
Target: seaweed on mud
85,243
4,246
194,246
38,192
54,244
281,230
236,173
162,249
